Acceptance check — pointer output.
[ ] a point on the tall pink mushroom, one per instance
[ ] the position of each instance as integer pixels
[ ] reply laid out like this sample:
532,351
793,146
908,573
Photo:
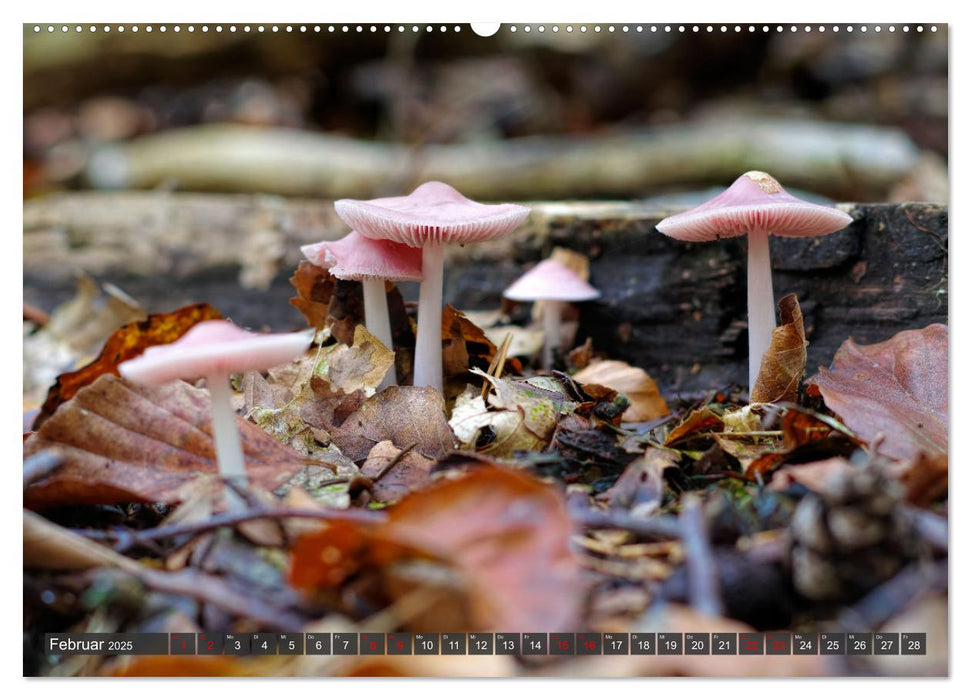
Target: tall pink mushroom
372,261
554,284
214,349
428,218
757,205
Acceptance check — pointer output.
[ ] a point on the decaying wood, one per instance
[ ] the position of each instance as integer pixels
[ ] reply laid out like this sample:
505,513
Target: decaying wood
836,159
673,308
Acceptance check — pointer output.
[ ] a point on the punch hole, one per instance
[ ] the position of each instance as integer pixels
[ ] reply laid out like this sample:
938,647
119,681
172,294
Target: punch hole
483,29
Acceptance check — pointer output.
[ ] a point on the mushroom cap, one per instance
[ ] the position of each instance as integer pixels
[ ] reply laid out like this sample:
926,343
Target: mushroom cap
214,347
551,280
357,257
755,202
433,213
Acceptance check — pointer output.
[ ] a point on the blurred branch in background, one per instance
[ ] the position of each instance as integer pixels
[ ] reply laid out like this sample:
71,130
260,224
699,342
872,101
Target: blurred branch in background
518,115
840,160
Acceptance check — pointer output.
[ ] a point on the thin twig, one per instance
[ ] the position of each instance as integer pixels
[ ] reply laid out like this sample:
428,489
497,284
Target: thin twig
128,539
658,527
703,586
395,460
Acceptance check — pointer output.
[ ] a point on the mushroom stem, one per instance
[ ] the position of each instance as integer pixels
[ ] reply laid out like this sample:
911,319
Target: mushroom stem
761,303
378,321
552,314
229,450
428,344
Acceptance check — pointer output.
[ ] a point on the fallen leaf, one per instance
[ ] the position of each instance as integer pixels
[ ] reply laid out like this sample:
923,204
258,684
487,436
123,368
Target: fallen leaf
499,433
640,488
784,363
525,342
505,535
519,415
646,402
75,332
581,356
895,390
806,434
360,366
394,475
314,286
123,442
404,415
924,478
814,476
698,421
125,343
466,346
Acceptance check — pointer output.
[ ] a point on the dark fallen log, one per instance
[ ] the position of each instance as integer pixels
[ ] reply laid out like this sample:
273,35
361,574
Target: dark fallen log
675,309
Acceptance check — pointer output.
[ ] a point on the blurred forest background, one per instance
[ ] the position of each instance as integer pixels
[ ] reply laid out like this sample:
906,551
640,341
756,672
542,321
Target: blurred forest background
660,119
83,92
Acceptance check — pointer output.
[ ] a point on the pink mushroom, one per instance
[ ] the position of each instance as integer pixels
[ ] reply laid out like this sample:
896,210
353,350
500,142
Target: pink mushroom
554,284
431,216
214,349
756,205
372,261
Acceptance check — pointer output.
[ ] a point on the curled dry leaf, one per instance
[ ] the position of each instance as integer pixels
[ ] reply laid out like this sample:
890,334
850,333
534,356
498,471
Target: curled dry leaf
74,330
896,390
466,346
360,366
784,363
125,343
504,534
646,402
519,415
393,474
701,420
314,286
814,476
405,415
640,488
123,442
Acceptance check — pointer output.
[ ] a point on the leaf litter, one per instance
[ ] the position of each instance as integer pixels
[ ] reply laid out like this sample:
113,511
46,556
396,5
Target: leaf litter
514,501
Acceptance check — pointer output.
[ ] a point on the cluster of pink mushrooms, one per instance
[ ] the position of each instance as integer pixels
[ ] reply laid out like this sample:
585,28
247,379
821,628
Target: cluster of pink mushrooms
403,238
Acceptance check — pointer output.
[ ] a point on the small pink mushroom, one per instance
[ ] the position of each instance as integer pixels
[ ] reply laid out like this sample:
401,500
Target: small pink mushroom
215,349
372,261
554,284
431,216
756,205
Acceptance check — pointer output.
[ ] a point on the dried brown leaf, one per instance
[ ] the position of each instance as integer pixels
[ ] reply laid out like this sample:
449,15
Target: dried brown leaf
394,475
646,402
784,363
125,343
698,421
640,487
314,286
895,390
405,415
123,442
505,534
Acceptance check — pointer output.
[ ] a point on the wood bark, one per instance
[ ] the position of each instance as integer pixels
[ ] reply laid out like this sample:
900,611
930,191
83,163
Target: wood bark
675,309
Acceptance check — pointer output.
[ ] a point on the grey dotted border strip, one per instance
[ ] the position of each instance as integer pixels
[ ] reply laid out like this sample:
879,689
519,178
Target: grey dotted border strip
511,28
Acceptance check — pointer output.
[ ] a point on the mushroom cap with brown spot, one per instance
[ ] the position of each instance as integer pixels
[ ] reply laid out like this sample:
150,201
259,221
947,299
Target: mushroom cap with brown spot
214,347
433,213
755,202
551,280
357,257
